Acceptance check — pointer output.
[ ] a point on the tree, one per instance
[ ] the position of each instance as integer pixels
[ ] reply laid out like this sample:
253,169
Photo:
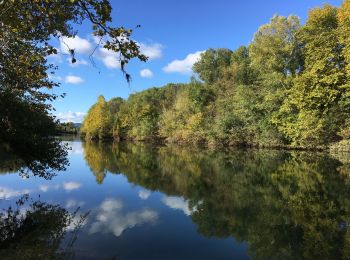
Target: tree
344,21
25,130
318,103
275,47
98,122
26,31
241,71
270,62
211,64
184,120
289,87
139,115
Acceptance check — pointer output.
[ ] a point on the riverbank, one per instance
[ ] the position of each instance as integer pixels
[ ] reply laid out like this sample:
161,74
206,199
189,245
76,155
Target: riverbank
339,147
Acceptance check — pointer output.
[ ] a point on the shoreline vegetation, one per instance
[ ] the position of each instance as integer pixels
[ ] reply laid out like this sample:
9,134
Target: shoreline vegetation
68,128
289,88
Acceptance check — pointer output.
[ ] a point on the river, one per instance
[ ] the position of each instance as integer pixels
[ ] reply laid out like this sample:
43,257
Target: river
138,201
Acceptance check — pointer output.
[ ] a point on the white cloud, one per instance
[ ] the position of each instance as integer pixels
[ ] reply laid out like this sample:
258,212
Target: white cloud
73,79
152,51
79,45
177,203
144,194
69,186
110,218
6,193
146,73
70,116
183,66
109,58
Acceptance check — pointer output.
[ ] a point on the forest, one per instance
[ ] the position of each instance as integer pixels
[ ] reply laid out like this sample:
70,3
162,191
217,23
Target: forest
290,87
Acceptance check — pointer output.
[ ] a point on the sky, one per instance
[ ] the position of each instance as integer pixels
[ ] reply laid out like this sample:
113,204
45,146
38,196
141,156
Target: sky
173,33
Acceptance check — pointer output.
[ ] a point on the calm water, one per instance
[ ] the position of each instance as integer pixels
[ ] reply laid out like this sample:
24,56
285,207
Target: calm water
133,201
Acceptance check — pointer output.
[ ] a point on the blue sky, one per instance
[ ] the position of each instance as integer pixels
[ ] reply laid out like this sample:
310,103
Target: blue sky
172,34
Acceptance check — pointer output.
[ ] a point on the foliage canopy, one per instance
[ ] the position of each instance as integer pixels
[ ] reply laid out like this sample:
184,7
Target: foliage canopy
289,87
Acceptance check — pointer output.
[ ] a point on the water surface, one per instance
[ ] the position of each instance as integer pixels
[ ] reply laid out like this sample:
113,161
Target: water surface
136,201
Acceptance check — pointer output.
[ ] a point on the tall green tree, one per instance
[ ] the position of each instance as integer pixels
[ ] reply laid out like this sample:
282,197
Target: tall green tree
317,104
98,122
344,21
344,32
275,47
185,120
211,64
274,57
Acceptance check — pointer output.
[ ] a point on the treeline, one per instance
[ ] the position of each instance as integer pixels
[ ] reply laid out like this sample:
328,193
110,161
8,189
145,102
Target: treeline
289,87
68,128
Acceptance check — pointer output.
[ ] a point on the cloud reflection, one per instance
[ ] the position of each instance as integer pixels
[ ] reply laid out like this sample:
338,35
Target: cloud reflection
177,203
144,194
67,186
76,221
111,219
7,193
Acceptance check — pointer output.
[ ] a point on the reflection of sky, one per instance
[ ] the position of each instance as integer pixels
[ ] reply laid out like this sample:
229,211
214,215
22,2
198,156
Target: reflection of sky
7,193
144,194
72,203
111,219
177,203
76,222
75,147
67,186
123,216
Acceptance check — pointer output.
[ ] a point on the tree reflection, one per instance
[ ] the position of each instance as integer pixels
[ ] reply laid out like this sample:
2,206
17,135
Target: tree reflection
285,204
43,159
100,158
26,135
38,231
